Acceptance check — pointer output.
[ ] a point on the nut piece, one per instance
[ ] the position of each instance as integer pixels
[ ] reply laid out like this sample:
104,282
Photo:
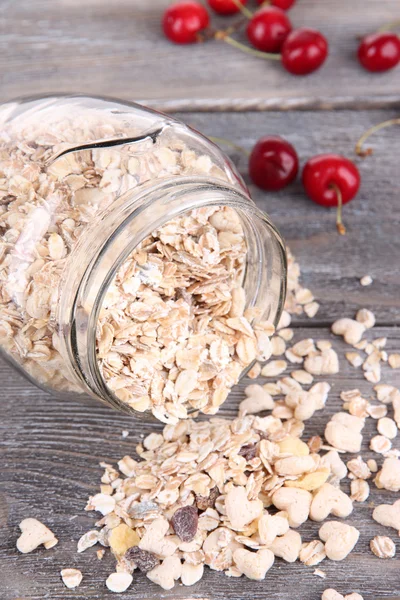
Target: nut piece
366,318
33,535
343,432
239,509
330,500
359,490
191,574
167,573
271,526
288,546
388,515
388,477
295,502
294,446
352,331
383,547
257,400
339,539
310,481
254,565
312,553
119,582
121,538
71,578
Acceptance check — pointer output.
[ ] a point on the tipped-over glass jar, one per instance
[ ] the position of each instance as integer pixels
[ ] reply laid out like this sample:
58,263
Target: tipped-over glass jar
134,266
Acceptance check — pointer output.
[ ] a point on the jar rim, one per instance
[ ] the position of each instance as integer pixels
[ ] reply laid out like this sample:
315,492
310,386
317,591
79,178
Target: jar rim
133,217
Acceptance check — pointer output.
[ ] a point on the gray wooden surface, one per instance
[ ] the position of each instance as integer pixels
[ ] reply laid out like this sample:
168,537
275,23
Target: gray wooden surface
51,447
116,48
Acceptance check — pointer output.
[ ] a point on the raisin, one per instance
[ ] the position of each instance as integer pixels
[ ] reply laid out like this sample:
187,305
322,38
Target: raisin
184,522
248,452
204,502
145,561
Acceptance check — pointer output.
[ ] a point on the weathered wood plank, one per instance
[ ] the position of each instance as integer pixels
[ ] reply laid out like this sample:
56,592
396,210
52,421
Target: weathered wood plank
50,448
116,48
50,454
331,264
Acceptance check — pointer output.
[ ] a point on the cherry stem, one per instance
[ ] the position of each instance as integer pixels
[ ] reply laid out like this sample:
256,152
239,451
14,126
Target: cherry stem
339,222
218,140
389,26
245,11
223,36
359,150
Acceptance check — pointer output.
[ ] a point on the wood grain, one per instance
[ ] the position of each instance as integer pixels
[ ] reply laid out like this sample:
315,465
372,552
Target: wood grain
117,48
50,454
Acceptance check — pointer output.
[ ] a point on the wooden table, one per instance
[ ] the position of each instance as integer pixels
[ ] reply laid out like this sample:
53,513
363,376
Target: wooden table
51,447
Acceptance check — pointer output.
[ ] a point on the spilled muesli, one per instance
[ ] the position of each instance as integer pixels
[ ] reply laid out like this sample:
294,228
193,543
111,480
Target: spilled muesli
231,495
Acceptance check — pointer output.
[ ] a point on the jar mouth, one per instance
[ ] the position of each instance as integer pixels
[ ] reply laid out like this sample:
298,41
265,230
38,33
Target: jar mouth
135,215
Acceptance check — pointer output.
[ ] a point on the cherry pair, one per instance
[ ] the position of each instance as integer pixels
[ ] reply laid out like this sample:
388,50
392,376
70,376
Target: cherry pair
328,179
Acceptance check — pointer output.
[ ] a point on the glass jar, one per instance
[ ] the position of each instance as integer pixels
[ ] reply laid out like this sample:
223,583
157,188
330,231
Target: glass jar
83,184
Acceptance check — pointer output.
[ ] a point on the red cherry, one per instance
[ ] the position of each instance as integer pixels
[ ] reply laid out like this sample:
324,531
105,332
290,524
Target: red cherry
379,51
331,180
283,4
184,20
268,29
304,51
273,163
225,7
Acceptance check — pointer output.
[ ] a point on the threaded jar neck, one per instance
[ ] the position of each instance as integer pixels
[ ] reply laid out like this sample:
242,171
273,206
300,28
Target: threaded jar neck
109,242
